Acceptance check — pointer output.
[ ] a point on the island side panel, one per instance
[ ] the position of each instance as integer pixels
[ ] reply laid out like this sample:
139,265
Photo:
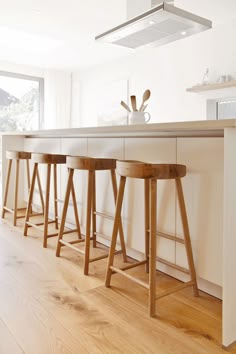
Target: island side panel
12,142
203,190
229,238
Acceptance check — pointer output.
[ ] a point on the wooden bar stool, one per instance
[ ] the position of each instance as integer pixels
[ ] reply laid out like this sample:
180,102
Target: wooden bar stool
151,173
49,160
17,156
91,165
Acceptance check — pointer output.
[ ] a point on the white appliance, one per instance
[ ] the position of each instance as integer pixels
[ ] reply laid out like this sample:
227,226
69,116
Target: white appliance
161,24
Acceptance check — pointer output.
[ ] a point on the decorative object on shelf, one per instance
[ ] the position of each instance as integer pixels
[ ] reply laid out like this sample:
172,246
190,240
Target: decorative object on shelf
139,117
205,79
225,78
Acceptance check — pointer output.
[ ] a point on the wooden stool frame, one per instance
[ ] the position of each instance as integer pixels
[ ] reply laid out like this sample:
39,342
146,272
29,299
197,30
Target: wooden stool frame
150,187
49,160
15,209
91,214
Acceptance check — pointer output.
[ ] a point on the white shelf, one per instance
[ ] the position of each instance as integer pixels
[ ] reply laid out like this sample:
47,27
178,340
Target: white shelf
211,87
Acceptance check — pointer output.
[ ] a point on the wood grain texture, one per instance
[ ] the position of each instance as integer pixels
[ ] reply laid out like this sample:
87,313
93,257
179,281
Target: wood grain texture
7,341
47,305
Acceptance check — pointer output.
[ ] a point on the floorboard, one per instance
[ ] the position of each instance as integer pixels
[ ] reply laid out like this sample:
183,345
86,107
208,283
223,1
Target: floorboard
7,341
48,306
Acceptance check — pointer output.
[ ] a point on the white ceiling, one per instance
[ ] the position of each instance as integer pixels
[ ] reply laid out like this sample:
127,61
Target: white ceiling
60,33
67,27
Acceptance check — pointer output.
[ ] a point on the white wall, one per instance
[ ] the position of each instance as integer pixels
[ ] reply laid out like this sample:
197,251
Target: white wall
168,70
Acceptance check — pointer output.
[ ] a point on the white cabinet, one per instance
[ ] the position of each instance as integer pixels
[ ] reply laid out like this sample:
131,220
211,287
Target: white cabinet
110,148
154,150
203,190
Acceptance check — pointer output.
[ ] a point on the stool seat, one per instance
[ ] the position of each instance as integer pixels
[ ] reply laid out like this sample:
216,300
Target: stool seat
18,155
138,169
90,163
151,173
48,158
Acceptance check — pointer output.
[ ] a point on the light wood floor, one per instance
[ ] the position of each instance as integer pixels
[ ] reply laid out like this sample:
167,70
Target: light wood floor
48,306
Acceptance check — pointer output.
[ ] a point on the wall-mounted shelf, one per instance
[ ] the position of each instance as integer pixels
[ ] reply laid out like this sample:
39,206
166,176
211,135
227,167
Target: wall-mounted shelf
211,87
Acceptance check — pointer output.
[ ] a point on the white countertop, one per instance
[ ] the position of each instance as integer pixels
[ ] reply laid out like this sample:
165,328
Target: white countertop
187,128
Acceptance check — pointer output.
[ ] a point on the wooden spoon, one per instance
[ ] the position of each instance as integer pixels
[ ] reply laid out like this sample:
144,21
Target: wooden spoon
146,97
123,104
143,109
133,103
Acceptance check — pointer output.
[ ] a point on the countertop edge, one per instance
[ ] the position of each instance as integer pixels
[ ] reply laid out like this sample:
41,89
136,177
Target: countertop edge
213,126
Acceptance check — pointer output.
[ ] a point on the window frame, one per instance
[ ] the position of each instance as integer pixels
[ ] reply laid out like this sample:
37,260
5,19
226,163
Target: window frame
40,80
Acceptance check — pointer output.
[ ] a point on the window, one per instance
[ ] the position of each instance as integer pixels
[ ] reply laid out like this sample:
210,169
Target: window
21,102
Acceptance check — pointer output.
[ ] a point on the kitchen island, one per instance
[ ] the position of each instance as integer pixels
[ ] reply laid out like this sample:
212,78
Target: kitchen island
208,150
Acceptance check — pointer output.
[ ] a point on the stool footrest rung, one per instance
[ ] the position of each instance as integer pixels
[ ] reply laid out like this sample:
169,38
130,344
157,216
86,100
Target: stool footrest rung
102,257
119,271
30,224
70,244
108,238
52,235
70,231
104,215
172,265
8,209
170,237
132,265
175,289
36,214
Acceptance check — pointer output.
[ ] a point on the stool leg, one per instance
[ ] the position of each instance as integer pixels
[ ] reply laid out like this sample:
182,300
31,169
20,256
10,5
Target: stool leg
187,239
64,212
152,258
16,192
28,174
28,178
121,231
46,211
6,187
88,221
117,222
40,191
94,219
30,198
75,210
147,226
55,195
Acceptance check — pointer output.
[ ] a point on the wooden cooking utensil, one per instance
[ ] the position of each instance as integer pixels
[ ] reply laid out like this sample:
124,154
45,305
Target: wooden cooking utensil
133,103
143,108
123,104
146,97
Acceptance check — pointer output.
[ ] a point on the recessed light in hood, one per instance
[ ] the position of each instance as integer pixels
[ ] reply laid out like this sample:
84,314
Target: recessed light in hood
160,25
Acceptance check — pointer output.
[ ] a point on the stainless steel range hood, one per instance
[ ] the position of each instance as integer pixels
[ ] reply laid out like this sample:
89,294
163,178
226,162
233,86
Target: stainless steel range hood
161,24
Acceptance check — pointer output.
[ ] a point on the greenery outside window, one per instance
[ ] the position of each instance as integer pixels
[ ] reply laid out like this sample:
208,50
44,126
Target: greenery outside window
21,102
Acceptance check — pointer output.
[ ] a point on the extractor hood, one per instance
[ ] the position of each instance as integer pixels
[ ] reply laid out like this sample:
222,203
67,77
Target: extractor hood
161,24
